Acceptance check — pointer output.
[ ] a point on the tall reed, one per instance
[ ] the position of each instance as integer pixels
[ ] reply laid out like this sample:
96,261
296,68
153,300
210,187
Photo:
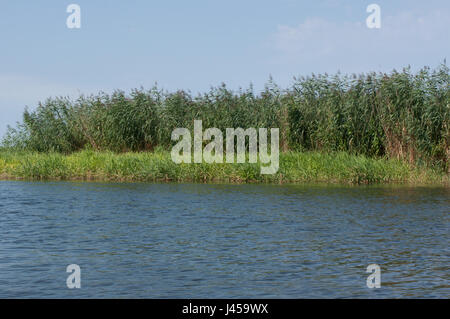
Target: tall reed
400,115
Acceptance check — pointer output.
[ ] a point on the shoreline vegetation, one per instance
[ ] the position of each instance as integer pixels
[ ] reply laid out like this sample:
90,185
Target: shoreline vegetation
157,166
359,129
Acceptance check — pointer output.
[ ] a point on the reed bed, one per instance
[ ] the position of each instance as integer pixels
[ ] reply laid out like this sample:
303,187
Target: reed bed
401,116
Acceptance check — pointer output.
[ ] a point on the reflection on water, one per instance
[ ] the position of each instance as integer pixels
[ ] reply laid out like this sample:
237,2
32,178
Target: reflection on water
222,241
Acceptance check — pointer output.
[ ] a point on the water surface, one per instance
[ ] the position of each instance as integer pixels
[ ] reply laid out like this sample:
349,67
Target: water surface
222,241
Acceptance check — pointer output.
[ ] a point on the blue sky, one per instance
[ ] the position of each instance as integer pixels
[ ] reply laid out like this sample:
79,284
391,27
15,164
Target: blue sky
197,44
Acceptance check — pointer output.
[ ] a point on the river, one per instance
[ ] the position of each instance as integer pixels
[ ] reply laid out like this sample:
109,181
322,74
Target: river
137,240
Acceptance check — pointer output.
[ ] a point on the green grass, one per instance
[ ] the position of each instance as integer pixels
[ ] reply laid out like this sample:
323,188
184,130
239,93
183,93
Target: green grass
295,167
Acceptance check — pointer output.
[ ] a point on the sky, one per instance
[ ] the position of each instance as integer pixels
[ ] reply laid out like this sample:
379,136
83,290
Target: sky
193,45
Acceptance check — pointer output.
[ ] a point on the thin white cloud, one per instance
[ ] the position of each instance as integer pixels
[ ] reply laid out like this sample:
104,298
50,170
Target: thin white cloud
403,37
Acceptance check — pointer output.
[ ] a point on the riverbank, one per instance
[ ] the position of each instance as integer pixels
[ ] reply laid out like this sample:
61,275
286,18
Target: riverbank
295,167
398,115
